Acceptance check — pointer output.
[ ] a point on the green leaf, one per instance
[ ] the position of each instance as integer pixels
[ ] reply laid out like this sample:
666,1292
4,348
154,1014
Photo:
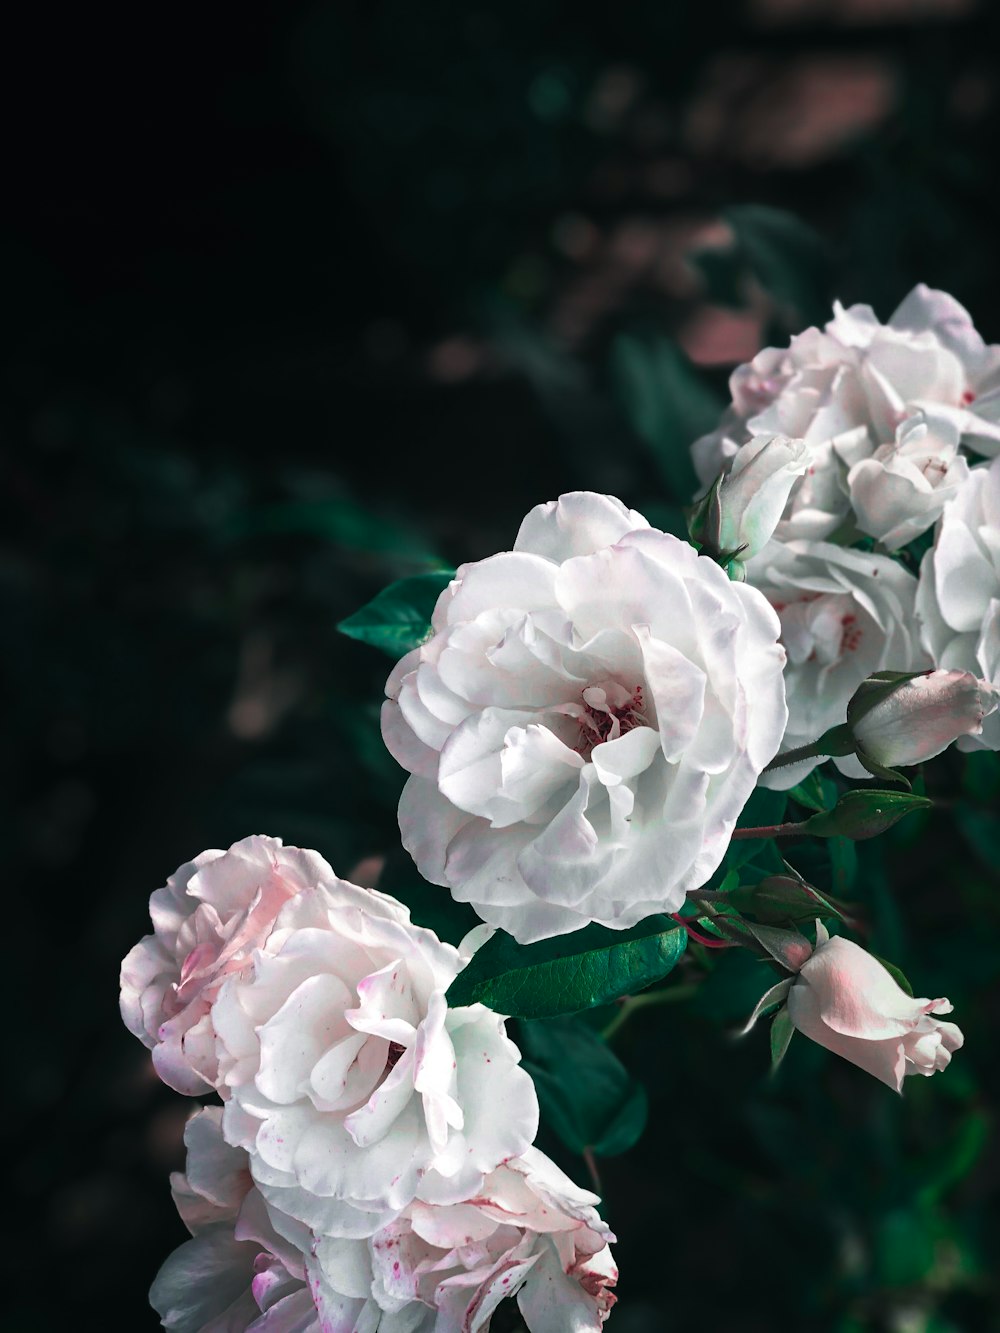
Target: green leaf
782,1032
864,813
585,1094
399,617
571,972
666,402
787,258
814,791
783,898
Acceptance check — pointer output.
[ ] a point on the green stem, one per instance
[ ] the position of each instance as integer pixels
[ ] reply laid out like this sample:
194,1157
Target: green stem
836,741
645,1000
770,831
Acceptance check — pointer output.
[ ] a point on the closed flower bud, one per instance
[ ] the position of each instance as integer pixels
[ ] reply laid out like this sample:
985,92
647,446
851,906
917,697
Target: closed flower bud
844,999
922,717
753,494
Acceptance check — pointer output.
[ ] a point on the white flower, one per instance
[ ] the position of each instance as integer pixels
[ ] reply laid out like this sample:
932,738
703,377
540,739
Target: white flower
845,1000
754,492
921,717
844,615
346,1076
239,1272
586,724
958,602
928,356
212,914
846,390
529,1232
901,490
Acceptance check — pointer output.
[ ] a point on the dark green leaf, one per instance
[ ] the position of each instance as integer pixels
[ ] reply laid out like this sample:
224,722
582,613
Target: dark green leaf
787,258
666,402
399,617
571,972
815,791
897,974
585,1093
763,809
783,898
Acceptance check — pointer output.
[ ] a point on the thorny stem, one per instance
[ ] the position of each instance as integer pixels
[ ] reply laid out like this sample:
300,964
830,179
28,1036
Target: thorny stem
630,1004
770,831
837,741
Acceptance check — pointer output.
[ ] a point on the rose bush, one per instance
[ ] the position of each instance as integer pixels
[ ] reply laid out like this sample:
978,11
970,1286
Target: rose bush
845,1000
958,601
586,723
207,921
844,615
347,1077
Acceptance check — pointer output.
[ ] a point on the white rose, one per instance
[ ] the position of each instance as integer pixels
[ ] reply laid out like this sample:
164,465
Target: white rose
958,602
929,356
207,921
239,1272
845,1000
923,716
348,1078
901,490
529,1232
586,724
844,615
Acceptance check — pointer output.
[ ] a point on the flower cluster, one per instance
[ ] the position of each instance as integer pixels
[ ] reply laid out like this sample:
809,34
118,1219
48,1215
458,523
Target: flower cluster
889,426
368,1134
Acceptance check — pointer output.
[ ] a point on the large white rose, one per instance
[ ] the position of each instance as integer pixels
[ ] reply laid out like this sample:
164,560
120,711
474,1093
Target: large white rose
847,389
958,602
844,615
529,1232
239,1272
207,920
348,1078
586,724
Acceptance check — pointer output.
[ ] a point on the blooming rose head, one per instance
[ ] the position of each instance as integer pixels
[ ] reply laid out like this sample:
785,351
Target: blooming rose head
347,1077
845,392
528,1232
958,601
207,921
586,724
239,1272
844,615
923,716
845,1000
901,490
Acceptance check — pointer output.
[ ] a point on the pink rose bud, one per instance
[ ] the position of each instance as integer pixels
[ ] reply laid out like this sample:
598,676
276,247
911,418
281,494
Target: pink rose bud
923,716
844,999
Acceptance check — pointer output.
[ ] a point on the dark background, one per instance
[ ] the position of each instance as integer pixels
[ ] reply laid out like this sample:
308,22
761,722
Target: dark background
300,298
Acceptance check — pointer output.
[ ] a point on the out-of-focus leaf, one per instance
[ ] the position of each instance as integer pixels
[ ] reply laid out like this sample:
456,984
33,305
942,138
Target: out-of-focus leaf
666,402
338,520
585,1093
399,617
815,791
571,972
787,258
782,1032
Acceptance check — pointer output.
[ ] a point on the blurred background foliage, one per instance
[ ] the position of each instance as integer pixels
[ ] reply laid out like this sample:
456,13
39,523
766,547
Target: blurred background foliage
300,299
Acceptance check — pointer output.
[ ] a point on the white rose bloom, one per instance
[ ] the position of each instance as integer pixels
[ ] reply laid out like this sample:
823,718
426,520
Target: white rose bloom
529,1232
244,1270
348,1078
901,490
844,615
207,921
929,356
846,390
958,602
586,724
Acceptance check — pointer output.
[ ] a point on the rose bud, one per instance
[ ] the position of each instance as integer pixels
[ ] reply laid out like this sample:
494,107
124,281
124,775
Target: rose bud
922,716
844,999
754,492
